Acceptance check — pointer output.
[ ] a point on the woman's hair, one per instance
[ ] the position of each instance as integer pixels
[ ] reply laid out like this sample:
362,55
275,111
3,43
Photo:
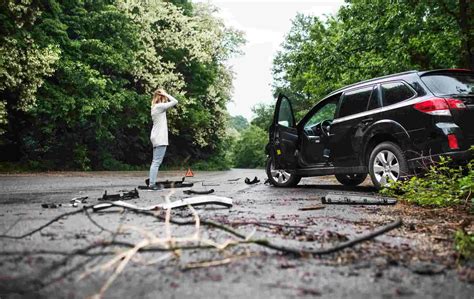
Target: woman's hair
158,97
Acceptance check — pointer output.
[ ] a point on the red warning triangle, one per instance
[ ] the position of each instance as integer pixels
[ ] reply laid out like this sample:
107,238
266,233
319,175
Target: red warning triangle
189,173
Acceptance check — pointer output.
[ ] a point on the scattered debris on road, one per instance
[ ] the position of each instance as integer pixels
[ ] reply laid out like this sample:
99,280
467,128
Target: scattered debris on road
169,245
250,182
233,180
210,184
189,192
77,200
124,196
310,208
168,184
427,268
190,201
50,205
345,198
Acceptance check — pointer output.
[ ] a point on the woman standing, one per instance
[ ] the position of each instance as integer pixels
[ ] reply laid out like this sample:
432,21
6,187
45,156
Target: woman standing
161,102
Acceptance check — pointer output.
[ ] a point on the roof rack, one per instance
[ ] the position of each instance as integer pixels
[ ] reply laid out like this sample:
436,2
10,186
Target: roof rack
445,70
374,79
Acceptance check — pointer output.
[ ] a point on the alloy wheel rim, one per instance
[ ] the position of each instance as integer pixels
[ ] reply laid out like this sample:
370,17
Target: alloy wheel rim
279,175
386,167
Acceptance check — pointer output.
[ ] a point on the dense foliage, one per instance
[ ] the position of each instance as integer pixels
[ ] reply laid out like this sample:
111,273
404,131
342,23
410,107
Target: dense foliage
249,149
367,39
239,123
464,244
77,76
441,185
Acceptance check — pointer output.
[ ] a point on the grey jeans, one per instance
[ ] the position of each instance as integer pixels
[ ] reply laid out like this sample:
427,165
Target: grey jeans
158,155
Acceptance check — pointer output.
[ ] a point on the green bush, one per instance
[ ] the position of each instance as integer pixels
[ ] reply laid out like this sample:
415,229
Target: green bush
249,150
442,185
464,244
212,164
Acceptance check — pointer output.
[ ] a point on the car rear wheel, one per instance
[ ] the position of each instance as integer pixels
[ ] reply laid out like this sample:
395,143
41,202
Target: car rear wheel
387,163
353,179
280,177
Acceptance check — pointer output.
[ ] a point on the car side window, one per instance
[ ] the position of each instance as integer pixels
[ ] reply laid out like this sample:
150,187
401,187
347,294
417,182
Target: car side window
326,112
395,92
374,101
355,101
285,114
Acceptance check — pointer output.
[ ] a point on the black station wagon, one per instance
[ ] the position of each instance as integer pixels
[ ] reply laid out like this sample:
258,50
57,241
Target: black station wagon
386,127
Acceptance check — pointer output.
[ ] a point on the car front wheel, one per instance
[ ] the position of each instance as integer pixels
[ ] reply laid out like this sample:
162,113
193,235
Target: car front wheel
280,177
387,163
351,179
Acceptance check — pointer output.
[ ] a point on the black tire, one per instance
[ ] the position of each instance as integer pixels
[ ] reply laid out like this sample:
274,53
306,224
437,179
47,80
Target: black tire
281,178
381,172
353,179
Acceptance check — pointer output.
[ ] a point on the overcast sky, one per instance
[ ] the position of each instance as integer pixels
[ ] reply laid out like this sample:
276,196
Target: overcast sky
265,24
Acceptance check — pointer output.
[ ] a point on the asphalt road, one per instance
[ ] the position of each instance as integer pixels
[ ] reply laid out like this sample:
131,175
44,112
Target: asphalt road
402,263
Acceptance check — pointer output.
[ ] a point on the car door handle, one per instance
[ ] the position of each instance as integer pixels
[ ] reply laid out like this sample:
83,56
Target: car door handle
367,120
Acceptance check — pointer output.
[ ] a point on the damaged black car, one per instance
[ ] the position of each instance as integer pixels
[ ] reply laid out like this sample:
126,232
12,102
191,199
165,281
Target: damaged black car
385,127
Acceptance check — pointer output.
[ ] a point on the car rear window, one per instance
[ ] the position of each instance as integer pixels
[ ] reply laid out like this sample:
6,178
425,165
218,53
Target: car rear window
355,101
450,83
395,92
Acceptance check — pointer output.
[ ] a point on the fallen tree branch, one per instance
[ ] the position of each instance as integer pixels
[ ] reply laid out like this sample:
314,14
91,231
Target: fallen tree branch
263,224
228,229
95,223
46,224
262,242
266,243
215,263
395,224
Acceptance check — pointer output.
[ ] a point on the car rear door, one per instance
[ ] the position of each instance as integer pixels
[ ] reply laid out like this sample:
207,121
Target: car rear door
348,128
283,135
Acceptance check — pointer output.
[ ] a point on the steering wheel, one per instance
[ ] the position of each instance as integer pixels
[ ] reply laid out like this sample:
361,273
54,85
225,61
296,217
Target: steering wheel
324,127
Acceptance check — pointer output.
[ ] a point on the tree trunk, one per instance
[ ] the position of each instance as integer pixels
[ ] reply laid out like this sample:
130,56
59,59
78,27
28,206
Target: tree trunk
467,33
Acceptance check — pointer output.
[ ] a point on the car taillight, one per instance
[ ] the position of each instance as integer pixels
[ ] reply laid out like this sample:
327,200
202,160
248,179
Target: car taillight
439,106
433,107
453,141
455,104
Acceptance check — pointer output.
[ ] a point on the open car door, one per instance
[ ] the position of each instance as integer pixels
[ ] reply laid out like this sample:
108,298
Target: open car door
283,135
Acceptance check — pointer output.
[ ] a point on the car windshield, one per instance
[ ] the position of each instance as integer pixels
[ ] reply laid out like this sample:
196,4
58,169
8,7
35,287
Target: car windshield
450,83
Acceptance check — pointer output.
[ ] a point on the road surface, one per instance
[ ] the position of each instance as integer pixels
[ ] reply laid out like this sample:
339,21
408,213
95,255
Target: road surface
414,261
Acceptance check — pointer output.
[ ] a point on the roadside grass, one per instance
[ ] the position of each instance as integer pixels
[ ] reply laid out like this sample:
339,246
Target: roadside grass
442,185
209,165
464,244
10,167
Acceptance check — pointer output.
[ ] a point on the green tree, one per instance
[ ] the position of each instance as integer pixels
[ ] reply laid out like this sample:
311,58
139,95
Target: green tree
239,122
263,116
24,63
367,39
249,150
92,112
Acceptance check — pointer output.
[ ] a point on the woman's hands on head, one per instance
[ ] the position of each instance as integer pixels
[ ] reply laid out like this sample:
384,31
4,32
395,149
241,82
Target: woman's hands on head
162,92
